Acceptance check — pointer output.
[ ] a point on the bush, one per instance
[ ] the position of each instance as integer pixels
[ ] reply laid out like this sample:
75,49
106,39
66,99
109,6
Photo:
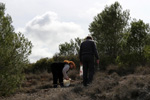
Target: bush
41,65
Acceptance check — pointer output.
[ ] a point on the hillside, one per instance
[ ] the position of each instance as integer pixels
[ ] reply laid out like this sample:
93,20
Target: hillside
104,87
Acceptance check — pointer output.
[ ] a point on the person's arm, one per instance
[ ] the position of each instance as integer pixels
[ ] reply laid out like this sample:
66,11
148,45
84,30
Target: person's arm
95,51
64,71
80,54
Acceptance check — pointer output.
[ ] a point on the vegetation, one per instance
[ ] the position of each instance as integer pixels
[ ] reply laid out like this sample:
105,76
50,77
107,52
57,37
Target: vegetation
14,50
71,48
107,29
123,45
105,86
135,45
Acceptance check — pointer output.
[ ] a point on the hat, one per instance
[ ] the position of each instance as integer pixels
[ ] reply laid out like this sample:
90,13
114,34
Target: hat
70,62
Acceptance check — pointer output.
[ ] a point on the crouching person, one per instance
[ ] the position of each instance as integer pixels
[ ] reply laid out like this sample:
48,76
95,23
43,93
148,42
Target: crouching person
59,71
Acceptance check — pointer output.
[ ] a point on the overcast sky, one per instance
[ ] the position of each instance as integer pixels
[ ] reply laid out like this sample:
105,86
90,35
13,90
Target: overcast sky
47,23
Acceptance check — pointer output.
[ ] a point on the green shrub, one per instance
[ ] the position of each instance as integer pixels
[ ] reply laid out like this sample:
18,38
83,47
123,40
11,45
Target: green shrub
14,50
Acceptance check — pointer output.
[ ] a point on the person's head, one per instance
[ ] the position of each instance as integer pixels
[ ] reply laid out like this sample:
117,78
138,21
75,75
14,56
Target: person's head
71,64
89,37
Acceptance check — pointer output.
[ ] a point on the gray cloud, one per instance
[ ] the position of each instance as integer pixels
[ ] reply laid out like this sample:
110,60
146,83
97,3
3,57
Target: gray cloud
46,32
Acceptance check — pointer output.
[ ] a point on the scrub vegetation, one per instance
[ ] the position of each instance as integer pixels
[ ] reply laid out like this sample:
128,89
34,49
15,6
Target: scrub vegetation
123,73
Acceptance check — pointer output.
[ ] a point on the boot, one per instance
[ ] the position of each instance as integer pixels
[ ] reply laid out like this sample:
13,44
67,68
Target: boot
62,84
55,86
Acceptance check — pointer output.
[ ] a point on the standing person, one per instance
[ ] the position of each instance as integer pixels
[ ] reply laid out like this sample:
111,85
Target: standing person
59,71
87,52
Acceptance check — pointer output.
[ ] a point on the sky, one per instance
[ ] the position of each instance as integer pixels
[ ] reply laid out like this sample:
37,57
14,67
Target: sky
49,23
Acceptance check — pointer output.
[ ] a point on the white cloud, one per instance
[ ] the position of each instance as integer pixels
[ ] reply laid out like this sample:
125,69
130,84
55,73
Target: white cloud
46,32
92,11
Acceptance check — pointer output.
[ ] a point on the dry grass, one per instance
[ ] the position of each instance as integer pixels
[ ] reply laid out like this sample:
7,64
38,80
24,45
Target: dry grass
105,86
34,82
73,74
142,70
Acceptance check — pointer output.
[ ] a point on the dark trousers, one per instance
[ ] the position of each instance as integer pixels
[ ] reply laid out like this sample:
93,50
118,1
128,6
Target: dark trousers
88,68
57,73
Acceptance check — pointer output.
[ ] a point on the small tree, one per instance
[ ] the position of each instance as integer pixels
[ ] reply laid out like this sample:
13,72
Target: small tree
107,29
14,51
138,36
136,46
71,48
67,48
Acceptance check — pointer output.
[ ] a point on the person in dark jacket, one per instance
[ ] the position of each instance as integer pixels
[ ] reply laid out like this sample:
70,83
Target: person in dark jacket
87,52
59,71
